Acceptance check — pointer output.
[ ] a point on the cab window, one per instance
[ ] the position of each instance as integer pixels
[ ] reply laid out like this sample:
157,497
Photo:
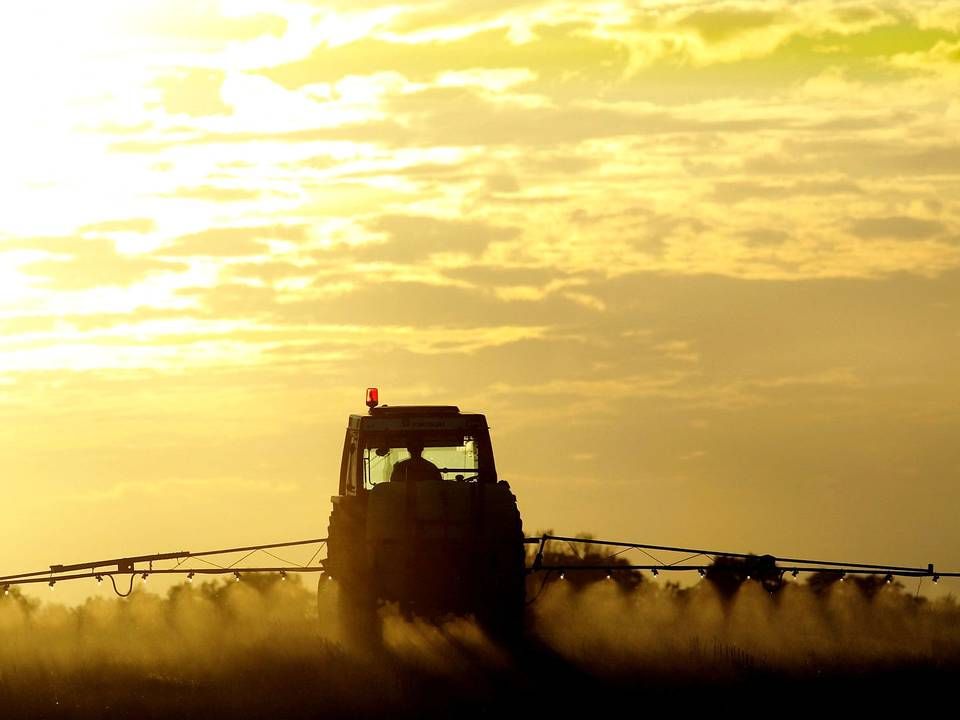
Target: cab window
456,456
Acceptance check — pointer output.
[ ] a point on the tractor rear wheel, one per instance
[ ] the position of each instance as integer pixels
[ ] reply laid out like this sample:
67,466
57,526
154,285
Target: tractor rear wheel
356,601
501,607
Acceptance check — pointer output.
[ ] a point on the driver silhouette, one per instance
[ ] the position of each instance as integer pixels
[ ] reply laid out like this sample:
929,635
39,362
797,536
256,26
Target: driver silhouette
416,467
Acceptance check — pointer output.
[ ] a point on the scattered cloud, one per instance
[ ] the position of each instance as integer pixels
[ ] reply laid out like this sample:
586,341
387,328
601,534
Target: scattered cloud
898,227
232,241
81,263
410,238
193,91
554,52
131,225
214,193
722,24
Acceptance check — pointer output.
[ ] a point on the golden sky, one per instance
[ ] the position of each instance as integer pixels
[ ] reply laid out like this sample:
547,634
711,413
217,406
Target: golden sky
699,263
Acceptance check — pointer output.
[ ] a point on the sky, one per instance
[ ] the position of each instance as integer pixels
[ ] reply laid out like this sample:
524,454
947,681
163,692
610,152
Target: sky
698,263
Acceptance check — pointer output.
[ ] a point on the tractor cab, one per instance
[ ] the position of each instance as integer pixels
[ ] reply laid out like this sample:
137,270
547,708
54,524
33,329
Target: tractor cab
378,446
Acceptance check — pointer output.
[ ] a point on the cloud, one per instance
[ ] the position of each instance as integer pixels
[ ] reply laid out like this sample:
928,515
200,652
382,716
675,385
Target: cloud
232,299
773,61
267,271
765,237
194,92
52,325
722,24
554,52
215,193
412,238
411,340
451,13
897,227
132,225
740,190
499,275
463,116
80,264
232,241
375,298
855,156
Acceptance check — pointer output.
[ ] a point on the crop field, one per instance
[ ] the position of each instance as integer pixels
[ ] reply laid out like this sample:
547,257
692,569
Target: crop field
266,647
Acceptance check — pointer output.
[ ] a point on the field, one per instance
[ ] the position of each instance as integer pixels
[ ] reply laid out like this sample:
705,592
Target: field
260,648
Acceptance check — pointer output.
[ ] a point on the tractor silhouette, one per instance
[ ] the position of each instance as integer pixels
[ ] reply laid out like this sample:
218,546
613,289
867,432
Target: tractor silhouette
422,520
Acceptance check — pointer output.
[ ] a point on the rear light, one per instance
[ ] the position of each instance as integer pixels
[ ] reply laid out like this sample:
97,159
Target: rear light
373,398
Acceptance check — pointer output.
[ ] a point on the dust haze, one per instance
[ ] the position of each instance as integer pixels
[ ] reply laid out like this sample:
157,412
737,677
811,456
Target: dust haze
268,646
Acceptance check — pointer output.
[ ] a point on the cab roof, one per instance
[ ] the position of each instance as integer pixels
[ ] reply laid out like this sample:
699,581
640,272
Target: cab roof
415,410
413,417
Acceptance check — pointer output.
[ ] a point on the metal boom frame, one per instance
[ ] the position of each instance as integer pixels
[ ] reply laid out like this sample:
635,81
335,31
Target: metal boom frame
144,564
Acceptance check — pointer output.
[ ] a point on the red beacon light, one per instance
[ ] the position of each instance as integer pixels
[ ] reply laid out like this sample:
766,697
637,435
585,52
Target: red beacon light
373,398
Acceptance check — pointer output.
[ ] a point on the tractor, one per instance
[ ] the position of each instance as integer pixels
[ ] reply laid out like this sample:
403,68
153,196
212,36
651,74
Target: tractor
422,520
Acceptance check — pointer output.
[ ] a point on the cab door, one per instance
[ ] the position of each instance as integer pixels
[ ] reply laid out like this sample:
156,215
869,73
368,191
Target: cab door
350,480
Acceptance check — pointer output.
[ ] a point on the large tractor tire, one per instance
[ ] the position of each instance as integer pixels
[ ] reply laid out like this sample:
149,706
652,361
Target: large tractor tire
356,600
501,598
501,611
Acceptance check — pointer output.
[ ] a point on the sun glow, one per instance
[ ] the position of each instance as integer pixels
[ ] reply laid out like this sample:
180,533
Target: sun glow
61,78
